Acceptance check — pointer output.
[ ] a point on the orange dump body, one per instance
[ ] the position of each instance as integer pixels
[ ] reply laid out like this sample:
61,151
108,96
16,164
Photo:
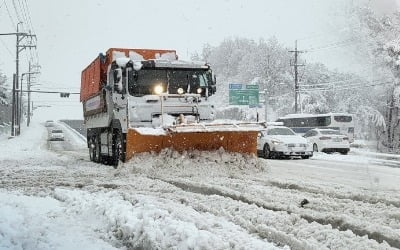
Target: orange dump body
94,76
244,142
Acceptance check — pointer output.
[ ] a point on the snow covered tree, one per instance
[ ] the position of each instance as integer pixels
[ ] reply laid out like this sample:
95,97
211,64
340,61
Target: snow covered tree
267,64
5,108
3,91
381,49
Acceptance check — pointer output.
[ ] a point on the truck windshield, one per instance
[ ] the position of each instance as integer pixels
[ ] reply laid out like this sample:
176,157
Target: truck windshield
142,82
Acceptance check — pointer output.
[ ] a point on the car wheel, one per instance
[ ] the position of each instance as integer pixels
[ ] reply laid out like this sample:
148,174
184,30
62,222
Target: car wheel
305,156
344,152
266,152
315,148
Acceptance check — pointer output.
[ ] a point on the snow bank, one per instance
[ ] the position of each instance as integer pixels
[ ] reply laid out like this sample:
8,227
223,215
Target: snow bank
41,223
195,163
146,222
30,144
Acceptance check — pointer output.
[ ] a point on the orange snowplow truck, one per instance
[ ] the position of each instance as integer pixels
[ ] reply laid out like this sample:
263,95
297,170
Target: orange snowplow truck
143,100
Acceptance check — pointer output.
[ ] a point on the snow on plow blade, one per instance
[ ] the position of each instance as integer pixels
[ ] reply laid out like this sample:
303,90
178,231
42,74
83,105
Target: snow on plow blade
239,138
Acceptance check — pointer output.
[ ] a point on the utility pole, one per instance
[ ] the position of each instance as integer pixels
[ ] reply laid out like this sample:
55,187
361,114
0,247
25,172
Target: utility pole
13,108
28,90
28,121
16,88
296,75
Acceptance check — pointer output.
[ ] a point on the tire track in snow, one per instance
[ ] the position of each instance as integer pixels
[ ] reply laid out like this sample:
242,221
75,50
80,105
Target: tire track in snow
337,223
355,197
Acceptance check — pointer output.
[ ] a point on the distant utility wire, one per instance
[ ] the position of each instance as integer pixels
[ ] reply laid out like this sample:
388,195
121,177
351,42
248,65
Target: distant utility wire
326,84
355,86
5,45
335,87
9,15
16,11
335,45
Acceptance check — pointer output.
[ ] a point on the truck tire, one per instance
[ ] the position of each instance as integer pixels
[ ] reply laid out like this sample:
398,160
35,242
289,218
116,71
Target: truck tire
97,149
118,148
92,150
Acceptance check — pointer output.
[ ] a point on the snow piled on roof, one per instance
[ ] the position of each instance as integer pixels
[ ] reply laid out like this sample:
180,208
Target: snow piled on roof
171,56
117,54
135,56
122,61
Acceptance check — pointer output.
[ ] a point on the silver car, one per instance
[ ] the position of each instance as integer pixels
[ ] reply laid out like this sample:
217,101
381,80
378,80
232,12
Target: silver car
282,142
56,135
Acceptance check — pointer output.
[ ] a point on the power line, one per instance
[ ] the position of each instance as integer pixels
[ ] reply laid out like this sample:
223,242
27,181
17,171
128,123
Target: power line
16,11
29,16
5,45
23,14
9,15
335,45
332,86
346,88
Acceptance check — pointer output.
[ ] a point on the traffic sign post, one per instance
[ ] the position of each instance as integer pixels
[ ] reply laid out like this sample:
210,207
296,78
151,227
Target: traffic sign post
242,94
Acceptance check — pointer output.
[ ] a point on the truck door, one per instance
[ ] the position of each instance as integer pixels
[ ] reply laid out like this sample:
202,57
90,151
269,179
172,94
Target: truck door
120,98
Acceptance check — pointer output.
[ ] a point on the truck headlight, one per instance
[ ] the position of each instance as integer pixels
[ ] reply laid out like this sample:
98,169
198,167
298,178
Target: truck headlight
158,89
199,90
180,91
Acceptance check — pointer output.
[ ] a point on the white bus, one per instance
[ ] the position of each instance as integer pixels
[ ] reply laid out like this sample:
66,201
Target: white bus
301,123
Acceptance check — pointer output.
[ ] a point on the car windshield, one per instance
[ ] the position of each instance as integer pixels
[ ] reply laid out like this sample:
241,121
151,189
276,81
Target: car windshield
329,132
280,131
142,82
56,131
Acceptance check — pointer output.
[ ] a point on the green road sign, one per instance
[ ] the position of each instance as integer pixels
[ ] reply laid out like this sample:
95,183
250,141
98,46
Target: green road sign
247,96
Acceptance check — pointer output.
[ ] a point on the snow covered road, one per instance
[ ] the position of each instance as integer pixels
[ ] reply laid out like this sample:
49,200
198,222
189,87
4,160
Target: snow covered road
53,197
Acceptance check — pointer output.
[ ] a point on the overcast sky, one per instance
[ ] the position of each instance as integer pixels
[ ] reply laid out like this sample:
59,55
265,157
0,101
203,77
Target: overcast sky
72,33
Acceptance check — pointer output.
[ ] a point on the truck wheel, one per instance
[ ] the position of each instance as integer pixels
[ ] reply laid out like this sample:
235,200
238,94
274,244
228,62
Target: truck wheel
97,150
92,150
118,149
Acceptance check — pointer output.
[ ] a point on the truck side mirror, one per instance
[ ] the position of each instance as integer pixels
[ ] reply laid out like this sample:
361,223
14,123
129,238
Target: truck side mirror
117,74
214,85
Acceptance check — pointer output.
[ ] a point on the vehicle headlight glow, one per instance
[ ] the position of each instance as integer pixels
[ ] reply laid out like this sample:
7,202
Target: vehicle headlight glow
276,142
199,90
180,91
158,89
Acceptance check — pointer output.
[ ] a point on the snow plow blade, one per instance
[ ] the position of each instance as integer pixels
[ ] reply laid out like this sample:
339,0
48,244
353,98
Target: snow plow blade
239,138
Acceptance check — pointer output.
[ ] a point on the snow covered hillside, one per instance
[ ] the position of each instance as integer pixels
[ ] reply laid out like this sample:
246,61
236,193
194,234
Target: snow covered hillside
53,197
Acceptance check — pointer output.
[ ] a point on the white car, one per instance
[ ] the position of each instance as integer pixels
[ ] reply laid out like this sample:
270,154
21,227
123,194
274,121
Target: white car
280,141
56,135
328,140
49,123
